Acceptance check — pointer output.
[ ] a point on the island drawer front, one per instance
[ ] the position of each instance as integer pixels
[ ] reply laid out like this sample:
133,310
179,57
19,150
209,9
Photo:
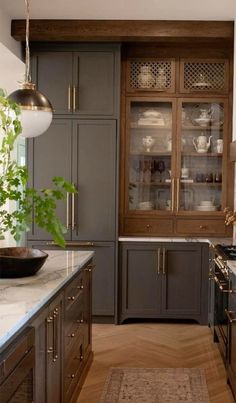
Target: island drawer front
73,331
11,358
73,368
75,313
200,227
148,226
74,291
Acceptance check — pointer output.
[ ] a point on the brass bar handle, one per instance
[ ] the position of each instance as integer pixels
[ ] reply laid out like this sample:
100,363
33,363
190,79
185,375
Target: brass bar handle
164,261
67,211
69,98
55,334
218,263
172,194
178,185
229,315
74,98
158,260
78,244
73,225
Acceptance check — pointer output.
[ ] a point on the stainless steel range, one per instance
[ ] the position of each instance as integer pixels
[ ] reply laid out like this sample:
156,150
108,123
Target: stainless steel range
223,272
222,291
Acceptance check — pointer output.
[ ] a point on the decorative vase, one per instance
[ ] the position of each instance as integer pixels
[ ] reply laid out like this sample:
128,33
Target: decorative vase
145,78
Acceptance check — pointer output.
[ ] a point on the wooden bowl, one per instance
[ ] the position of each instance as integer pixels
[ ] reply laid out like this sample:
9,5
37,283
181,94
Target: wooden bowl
20,262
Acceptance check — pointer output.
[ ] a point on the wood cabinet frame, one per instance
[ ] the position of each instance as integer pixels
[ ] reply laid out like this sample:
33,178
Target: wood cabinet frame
150,222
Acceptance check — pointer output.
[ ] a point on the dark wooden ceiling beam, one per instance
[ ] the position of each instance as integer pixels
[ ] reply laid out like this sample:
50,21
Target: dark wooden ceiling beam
121,30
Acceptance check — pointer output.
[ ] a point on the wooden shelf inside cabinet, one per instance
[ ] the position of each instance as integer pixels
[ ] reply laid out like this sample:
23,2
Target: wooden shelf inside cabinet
202,128
196,154
150,154
144,127
153,184
201,184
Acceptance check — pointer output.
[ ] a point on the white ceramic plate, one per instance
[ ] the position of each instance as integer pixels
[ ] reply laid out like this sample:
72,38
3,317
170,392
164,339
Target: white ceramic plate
206,208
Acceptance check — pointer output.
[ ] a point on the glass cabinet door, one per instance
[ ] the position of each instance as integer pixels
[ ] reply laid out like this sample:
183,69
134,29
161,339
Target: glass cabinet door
150,156
199,186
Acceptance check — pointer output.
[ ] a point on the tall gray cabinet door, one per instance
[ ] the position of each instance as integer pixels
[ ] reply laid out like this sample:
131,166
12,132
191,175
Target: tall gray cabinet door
49,155
94,81
53,72
141,292
182,280
94,174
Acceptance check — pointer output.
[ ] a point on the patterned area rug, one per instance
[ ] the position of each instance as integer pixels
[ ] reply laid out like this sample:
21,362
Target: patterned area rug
155,385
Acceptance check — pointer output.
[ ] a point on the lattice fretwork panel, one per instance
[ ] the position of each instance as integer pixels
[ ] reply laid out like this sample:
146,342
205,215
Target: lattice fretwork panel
208,76
151,75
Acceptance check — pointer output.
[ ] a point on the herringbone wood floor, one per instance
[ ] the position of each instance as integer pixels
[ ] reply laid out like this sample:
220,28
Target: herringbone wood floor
155,345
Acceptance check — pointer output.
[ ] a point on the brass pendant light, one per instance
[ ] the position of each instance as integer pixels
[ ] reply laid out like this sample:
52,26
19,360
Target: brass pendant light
36,109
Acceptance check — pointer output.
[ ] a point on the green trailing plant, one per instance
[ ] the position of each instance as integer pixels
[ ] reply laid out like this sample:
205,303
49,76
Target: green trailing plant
37,204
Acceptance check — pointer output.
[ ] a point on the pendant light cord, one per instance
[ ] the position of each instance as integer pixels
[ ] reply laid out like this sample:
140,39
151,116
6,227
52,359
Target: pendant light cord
27,51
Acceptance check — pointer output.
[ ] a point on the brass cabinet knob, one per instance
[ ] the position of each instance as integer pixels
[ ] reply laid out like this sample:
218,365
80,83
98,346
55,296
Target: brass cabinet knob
80,287
71,335
71,298
204,227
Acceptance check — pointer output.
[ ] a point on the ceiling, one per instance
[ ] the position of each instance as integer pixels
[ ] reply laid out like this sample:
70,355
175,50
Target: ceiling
123,9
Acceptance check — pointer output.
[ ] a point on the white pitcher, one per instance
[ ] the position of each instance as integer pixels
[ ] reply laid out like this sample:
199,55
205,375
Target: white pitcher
201,143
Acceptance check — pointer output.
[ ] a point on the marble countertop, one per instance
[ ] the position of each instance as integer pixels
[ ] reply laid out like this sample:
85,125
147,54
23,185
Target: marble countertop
210,240
21,298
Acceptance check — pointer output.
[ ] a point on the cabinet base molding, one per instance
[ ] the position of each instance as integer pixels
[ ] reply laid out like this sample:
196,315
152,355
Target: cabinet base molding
103,319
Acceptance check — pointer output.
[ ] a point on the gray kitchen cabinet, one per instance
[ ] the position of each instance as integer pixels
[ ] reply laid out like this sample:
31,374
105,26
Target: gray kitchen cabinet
17,369
164,280
48,352
78,79
84,152
94,174
103,274
49,155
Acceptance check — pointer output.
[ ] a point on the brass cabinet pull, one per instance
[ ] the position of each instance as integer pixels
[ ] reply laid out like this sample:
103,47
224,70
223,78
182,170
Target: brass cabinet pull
67,210
158,260
164,261
73,211
80,287
204,227
55,334
78,244
172,194
71,298
80,321
229,315
69,98
74,98
71,335
178,185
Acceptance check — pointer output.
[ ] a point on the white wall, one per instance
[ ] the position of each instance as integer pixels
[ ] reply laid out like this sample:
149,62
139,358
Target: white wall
5,34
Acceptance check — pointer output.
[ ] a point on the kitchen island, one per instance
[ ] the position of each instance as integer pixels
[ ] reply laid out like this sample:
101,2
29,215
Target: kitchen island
45,330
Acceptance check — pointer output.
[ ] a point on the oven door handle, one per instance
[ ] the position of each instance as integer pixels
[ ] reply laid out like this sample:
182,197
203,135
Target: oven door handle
218,263
220,285
229,315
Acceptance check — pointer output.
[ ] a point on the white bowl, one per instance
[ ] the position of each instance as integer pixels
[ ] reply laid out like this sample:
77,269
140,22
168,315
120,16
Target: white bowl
206,203
206,208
